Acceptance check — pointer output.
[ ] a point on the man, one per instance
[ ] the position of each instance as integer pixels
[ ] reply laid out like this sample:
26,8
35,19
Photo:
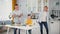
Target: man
43,19
17,14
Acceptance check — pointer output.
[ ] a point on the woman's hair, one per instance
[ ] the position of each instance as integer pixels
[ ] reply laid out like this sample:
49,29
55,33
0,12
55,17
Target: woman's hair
16,4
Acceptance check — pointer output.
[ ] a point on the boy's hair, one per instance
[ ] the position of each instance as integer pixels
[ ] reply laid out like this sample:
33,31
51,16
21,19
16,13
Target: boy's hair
16,4
45,7
29,14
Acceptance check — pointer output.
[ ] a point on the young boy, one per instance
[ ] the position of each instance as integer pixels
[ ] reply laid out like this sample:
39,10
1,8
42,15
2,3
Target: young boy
29,22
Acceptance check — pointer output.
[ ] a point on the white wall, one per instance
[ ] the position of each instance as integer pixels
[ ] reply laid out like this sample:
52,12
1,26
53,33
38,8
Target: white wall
5,9
28,5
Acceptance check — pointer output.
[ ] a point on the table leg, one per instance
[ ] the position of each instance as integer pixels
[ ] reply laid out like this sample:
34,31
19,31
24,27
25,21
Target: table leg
8,30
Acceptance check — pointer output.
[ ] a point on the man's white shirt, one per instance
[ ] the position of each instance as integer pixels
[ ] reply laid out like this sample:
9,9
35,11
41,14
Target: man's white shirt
43,16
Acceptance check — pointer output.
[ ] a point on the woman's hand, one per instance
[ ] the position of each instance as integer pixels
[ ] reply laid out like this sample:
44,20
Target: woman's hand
14,15
20,15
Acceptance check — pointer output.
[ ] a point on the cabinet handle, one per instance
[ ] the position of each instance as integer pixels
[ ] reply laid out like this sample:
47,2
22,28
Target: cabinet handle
52,22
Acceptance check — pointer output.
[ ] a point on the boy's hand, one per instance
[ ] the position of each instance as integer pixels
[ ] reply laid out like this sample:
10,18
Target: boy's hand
28,25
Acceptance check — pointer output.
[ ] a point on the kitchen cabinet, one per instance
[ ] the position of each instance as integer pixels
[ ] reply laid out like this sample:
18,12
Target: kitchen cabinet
54,8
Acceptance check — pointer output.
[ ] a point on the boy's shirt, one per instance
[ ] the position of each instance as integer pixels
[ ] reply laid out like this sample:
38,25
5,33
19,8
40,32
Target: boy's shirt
29,21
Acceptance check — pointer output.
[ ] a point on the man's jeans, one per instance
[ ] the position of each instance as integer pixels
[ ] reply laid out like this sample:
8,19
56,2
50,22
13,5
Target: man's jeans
41,27
15,31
